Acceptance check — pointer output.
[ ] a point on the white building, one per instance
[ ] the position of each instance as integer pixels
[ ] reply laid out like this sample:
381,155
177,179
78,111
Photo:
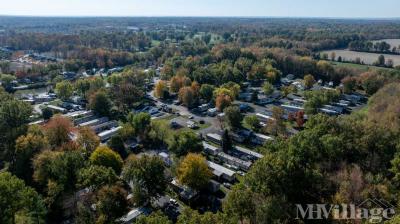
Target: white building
221,172
210,149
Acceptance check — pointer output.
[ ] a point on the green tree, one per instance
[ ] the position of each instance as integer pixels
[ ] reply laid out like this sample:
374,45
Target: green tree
193,171
111,204
116,143
18,201
206,92
155,218
189,216
14,116
82,86
226,141
84,214
47,113
26,148
268,88
64,90
381,61
100,103
6,81
104,156
184,142
141,124
240,203
252,122
146,172
56,172
233,117
97,177
234,87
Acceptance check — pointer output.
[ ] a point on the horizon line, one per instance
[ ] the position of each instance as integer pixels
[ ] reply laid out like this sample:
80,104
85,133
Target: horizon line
205,16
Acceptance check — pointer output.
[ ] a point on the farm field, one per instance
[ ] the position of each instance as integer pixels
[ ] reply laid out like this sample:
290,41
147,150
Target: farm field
367,58
362,68
392,42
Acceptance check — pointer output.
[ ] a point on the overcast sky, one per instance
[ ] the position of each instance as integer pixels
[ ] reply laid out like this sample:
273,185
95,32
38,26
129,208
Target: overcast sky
244,8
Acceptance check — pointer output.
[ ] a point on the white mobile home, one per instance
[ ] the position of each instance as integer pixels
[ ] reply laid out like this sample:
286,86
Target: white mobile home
210,149
105,135
260,139
221,172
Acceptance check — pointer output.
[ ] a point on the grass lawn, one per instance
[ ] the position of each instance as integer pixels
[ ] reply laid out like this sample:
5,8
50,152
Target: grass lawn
362,68
362,111
56,102
155,43
204,126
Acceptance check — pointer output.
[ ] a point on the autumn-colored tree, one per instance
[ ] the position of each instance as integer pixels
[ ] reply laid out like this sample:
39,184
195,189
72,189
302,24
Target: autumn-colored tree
325,68
87,139
372,81
193,171
127,94
224,91
309,81
167,72
104,156
383,107
195,86
276,126
300,119
349,84
58,130
187,96
175,84
161,90
286,90
233,87
333,56
222,102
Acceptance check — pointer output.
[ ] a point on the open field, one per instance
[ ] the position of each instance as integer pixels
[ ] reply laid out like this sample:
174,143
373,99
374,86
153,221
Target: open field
392,42
367,58
362,68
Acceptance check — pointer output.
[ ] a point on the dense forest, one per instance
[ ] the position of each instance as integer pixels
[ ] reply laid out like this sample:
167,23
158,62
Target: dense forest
47,176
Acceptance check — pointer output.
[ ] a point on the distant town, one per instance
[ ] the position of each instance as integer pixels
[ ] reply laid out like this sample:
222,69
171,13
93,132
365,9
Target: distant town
194,120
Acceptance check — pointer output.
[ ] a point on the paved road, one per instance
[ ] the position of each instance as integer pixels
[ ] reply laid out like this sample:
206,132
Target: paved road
36,108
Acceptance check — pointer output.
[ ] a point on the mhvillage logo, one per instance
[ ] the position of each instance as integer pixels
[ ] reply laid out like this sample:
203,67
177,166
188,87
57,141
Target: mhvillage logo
370,210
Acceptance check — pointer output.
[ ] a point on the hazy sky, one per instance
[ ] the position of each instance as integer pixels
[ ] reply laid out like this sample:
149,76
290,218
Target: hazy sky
248,8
